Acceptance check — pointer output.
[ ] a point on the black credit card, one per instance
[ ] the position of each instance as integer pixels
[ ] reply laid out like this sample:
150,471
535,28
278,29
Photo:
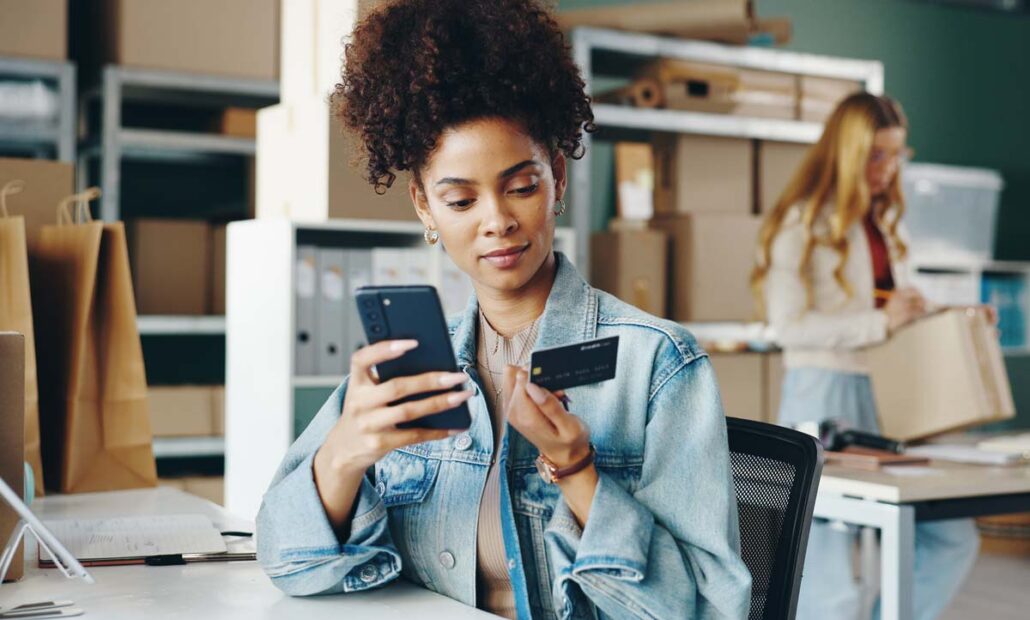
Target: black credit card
561,368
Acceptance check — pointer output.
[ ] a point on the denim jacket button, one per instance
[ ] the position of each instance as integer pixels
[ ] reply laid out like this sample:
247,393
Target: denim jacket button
380,488
369,573
463,442
447,560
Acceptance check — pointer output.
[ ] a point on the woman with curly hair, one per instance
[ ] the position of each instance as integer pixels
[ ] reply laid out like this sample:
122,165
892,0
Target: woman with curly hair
633,512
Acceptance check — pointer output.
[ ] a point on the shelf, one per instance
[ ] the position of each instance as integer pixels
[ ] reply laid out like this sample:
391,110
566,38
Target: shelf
366,226
11,67
972,266
188,447
317,382
1016,351
156,325
151,143
29,134
868,71
142,84
57,134
678,121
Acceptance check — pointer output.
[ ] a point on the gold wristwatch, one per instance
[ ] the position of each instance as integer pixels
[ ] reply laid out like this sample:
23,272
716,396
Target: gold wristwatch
551,473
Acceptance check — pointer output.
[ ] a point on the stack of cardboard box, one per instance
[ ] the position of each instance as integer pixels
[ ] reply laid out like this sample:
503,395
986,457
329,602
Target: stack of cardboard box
305,162
687,253
699,231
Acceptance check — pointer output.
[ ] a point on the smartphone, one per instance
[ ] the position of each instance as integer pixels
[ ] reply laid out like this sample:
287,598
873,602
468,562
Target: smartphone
412,312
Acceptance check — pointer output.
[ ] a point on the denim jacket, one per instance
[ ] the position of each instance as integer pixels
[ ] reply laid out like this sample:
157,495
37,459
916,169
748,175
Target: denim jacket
662,538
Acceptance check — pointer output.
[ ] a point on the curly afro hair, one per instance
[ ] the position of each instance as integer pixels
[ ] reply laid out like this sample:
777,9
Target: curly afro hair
416,67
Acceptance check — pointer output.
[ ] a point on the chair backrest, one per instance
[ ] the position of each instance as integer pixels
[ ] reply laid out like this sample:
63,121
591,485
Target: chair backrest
776,474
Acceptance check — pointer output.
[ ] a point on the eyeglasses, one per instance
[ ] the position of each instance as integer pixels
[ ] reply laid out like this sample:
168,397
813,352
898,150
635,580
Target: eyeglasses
879,157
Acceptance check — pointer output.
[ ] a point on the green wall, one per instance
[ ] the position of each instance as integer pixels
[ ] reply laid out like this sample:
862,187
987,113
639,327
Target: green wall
962,74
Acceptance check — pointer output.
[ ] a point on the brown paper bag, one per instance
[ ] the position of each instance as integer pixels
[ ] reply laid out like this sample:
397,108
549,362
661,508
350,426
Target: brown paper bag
16,316
96,426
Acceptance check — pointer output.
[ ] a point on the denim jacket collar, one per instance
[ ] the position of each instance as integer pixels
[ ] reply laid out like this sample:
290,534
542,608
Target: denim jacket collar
570,296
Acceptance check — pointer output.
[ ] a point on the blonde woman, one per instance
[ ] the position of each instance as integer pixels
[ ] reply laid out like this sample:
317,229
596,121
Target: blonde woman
831,277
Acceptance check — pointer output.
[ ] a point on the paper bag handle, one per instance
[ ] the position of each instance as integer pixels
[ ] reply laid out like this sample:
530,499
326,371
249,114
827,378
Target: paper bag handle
9,189
66,216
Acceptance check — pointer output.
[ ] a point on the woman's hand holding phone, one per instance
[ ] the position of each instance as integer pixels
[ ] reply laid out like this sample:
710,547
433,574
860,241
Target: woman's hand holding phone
367,428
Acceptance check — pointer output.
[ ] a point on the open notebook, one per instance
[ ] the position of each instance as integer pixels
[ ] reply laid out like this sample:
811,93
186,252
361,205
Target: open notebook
128,540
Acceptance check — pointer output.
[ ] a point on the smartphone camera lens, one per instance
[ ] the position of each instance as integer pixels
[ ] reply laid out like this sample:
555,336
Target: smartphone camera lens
373,316
370,303
376,329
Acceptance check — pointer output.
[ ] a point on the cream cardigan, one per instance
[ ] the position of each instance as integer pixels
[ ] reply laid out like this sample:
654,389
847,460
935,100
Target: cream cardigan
832,333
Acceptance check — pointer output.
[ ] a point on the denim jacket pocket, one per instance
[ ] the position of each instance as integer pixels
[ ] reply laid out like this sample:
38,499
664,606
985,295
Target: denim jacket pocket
405,478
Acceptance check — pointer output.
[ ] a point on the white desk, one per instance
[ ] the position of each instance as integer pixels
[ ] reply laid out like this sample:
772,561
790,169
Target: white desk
201,590
893,500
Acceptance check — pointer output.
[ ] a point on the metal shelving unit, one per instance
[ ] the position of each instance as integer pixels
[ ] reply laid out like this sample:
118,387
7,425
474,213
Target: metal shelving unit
56,139
600,52
109,143
188,447
156,325
113,141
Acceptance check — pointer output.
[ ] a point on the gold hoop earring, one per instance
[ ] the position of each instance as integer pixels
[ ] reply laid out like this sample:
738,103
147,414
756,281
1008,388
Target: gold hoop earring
431,236
560,211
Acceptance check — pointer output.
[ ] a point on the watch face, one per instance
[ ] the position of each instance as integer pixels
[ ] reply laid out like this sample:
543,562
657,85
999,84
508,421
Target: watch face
545,471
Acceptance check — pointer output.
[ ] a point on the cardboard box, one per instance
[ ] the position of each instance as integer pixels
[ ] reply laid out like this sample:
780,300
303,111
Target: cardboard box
741,378
238,122
712,255
696,174
311,47
12,435
305,169
211,488
632,266
777,164
218,410
634,180
819,96
724,89
658,17
181,411
46,183
774,373
238,38
939,374
34,28
217,294
171,263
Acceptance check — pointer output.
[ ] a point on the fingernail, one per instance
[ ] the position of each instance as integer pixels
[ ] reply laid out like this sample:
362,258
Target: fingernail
403,345
453,379
537,393
456,431
458,397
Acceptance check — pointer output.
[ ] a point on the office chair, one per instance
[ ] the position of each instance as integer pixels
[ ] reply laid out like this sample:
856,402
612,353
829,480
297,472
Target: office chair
776,475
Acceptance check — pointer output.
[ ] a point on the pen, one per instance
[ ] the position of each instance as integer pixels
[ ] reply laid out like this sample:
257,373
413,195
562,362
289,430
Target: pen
179,559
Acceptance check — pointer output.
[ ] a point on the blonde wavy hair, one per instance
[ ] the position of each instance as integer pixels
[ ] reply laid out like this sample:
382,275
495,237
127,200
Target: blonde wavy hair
834,169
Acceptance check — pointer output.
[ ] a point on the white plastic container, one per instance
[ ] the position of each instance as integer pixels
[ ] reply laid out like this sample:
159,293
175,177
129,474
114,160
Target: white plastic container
951,212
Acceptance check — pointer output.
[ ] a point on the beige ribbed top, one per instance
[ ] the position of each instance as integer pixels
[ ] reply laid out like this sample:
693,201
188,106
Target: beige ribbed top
494,353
